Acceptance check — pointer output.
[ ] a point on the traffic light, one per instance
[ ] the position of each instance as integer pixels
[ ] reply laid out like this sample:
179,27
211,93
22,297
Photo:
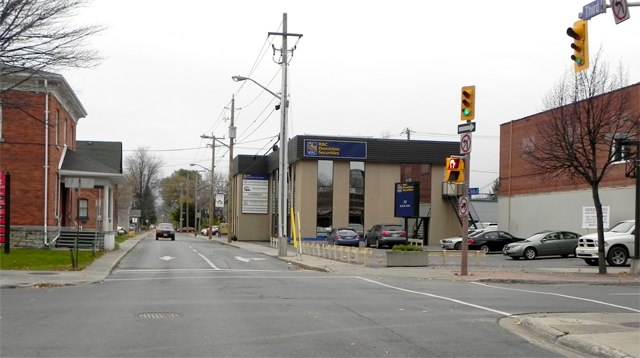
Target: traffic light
454,170
580,34
468,103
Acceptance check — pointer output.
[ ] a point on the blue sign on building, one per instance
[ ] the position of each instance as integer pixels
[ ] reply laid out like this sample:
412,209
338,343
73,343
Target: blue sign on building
335,149
407,200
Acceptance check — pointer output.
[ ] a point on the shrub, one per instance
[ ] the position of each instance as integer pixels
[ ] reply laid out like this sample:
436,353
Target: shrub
406,248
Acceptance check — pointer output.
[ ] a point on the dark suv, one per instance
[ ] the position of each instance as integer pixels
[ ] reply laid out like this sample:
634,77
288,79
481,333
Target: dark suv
385,235
165,230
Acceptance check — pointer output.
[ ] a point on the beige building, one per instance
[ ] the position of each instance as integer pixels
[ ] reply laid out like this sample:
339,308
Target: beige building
340,181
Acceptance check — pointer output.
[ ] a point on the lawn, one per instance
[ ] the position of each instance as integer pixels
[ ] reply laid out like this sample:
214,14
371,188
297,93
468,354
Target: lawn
48,260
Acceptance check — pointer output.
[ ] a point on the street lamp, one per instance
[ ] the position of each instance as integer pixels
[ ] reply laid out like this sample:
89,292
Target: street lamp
283,162
210,199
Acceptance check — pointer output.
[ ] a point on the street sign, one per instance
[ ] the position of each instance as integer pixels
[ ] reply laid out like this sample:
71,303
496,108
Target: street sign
465,143
620,10
467,127
593,9
474,191
463,206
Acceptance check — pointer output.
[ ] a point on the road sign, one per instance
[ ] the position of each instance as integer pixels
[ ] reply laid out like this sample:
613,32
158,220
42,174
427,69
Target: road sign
463,206
467,127
593,9
474,191
620,10
465,143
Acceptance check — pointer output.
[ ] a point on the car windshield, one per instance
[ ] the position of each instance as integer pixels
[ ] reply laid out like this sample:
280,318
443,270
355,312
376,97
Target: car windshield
535,237
622,227
165,226
346,232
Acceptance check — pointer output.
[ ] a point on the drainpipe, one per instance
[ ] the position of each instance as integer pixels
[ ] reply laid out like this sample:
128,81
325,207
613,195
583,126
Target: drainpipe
46,159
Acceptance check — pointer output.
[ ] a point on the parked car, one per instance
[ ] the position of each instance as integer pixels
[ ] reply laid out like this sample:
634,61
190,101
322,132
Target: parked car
386,235
619,245
322,232
205,231
545,243
455,242
343,236
488,241
120,230
187,229
165,230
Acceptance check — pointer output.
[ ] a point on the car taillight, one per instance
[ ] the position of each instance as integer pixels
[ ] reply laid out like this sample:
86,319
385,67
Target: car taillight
384,233
404,233
339,236
470,241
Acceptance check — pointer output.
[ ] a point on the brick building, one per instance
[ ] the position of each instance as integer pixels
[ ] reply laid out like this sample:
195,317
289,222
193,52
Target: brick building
56,181
530,202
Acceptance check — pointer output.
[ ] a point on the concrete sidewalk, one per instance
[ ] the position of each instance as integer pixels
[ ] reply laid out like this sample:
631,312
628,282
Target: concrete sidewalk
573,334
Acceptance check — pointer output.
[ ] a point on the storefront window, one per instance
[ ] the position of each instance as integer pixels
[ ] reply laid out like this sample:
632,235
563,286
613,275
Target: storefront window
325,193
356,195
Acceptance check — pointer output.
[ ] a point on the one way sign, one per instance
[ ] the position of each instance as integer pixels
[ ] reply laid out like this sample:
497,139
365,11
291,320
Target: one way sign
467,127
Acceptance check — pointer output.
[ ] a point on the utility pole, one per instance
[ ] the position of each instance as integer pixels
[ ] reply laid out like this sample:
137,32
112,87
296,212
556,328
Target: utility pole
407,131
230,186
181,205
211,192
283,155
188,199
195,204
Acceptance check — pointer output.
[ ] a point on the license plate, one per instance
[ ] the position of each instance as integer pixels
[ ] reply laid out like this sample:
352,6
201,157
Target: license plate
394,235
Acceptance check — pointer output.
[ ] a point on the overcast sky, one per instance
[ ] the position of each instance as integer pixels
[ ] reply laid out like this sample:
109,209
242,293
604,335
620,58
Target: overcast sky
363,68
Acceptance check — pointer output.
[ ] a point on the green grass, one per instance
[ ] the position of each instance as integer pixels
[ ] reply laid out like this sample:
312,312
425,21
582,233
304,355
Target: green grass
48,260
44,259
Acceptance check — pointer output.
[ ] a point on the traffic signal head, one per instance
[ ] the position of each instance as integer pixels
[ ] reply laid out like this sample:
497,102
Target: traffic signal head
468,103
580,34
454,170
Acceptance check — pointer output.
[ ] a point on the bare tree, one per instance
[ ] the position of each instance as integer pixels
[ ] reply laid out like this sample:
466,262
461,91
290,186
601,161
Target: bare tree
577,139
142,172
37,35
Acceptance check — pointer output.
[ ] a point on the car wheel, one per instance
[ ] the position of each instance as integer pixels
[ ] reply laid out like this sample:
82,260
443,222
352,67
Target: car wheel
484,248
530,253
591,262
156,238
366,243
377,244
457,246
173,239
564,256
617,256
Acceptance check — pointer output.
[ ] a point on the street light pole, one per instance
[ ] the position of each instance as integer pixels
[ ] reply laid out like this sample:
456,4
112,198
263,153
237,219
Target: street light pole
232,136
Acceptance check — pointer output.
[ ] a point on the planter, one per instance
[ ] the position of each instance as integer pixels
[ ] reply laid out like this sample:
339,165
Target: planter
407,258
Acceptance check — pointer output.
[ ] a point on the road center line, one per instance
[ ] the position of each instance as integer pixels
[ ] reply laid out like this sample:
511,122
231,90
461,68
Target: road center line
437,296
559,295
204,258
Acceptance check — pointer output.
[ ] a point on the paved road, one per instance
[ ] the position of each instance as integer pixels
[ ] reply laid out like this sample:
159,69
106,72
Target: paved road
194,297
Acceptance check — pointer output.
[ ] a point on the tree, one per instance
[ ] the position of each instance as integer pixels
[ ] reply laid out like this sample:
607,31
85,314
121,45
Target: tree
142,172
36,35
578,137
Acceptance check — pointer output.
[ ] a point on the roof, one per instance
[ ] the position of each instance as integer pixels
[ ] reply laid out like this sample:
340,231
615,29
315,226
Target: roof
97,159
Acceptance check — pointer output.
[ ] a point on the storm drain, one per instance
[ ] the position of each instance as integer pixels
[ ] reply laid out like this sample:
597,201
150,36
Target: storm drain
158,315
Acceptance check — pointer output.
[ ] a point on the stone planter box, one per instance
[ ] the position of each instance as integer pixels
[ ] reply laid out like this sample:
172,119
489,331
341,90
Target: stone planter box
407,258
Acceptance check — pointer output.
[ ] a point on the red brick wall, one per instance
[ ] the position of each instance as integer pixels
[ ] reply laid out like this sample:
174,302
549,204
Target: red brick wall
518,177
22,153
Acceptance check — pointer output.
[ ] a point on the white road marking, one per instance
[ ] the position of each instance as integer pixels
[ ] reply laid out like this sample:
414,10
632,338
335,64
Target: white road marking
559,295
167,258
437,296
204,258
240,258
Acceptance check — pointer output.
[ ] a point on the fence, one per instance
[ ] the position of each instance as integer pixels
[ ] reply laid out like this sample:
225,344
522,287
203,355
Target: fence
358,255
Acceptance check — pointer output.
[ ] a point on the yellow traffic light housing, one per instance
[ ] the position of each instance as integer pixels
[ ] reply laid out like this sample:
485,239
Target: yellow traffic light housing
468,103
580,34
454,170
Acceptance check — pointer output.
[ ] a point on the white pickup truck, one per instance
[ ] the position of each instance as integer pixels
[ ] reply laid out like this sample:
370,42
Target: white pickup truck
618,245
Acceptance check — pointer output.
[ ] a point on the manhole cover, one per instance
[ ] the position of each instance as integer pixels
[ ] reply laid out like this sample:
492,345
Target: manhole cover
158,315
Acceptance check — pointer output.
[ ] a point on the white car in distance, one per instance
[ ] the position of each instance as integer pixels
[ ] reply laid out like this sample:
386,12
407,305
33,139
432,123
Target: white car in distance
619,245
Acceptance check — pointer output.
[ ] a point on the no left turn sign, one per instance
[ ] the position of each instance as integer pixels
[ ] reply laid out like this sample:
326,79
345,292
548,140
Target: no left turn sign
465,143
463,206
620,10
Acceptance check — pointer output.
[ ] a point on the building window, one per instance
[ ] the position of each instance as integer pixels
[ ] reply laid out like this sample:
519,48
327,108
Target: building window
325,193
356,194
57,127
620,148
83,209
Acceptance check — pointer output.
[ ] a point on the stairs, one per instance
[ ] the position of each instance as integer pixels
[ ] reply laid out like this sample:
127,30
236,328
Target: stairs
90,240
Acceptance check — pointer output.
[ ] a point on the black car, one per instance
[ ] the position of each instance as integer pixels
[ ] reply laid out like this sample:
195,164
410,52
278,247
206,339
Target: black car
165,230
386,235
491,241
